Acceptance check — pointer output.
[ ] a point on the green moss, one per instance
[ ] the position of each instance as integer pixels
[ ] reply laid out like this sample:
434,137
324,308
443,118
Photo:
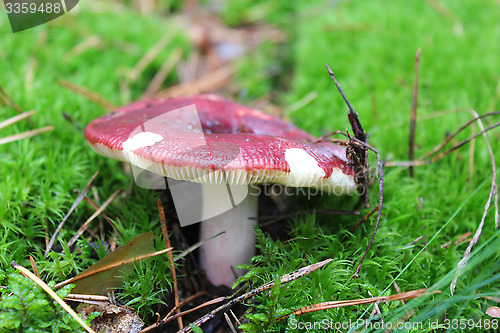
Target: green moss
25,307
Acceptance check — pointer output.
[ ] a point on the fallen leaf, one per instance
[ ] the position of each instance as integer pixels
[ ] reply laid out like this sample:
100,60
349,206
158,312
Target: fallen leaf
102,282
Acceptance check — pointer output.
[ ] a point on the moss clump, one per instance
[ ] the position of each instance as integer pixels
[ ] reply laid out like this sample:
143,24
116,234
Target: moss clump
25,307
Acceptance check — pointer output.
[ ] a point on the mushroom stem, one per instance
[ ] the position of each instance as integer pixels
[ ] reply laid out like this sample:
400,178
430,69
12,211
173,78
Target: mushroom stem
235,246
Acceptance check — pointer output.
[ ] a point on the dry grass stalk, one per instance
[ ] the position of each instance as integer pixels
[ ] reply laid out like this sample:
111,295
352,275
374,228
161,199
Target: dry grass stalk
73,207
84,226
493,196
87,93
283,279
170,260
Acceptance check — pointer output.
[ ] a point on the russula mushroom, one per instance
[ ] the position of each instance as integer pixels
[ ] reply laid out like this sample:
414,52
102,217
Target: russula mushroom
208,139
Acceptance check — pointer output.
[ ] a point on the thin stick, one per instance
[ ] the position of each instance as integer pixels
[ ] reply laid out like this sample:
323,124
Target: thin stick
357,155
78,297
324,137
169,316
409,244
422,161
183,313
235,319
96,207
358,130
380,170
73,207
451,136
413,116
207,82
16,119
184,302
443,154
52,294
472,148
6,98
363,219
493,196
84,226
195,246
339,304
162,74
375,305
111,266
332,75
33,266
87,93
149,56
229,323
284,279
170,259
25,135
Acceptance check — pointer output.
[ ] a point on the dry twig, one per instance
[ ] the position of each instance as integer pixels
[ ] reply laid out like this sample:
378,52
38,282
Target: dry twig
87,93
493,196
339,304
284,279
84,226
73,207
25,135
413,118
170,259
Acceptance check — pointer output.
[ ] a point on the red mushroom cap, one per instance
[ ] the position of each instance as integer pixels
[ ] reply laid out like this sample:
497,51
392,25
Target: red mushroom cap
206,138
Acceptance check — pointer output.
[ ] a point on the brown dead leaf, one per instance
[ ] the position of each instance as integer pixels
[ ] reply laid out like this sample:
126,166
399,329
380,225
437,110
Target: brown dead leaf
102,282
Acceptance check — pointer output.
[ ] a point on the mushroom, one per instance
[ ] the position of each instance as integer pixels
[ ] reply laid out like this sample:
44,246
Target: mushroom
227,147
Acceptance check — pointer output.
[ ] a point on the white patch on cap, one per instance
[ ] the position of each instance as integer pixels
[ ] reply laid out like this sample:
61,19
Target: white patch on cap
304,169
140,140
338,183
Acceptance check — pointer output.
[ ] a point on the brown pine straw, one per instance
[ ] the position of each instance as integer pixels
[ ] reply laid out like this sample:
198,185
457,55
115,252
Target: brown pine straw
229,323
52,294
24,135
7,100
169,316
493,196
433,156
87,93
211,302
96,207
235,319
170,260
117,264
33,266
339,304
413,115
83,297
283,279
151,54
73,207
167,67
84,226
15,119
207,82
